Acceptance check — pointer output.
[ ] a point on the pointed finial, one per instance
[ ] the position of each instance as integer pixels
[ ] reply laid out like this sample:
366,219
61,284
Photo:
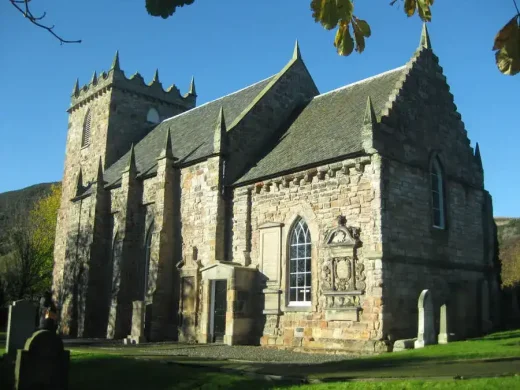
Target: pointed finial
370,115
131,165
75,91
167,151
156,76
99,177
115,62
220,137
94,78
192,90
296,53
478,158
425,38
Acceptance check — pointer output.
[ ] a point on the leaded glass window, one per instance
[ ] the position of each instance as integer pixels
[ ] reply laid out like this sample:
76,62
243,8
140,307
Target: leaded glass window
437,187
300,279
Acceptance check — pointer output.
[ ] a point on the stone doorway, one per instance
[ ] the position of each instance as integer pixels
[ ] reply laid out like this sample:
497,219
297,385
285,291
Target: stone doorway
218,310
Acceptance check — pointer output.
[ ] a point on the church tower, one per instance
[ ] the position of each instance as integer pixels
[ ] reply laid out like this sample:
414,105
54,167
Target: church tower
106,116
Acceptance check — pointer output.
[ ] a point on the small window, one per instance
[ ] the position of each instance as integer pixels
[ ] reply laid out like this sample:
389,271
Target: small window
153,116
85,136
147,257
300,281
437,188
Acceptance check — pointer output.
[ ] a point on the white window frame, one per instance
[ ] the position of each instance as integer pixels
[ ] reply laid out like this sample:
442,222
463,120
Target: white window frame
293,242
438,188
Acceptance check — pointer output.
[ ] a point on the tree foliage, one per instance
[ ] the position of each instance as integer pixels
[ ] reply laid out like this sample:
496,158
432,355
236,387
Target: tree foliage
26,271
510,259
352,31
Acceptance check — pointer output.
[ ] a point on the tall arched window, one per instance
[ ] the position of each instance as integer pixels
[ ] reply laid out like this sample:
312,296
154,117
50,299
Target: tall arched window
300,280
147,256
153,116
85,135
437,188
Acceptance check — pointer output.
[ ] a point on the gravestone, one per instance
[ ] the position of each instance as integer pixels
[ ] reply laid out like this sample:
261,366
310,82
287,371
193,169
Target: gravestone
426,326
20,325
484,300
444,335
137,333
402,345
43,363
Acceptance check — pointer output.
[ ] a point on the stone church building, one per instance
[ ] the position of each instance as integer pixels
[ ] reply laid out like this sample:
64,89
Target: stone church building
274,215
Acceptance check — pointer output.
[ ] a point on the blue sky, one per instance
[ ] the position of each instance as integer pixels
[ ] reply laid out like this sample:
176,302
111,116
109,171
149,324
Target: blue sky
229,44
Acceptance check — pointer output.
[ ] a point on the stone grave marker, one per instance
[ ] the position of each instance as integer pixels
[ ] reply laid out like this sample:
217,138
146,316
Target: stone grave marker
444,335
137,333
426,326
43,363
20,325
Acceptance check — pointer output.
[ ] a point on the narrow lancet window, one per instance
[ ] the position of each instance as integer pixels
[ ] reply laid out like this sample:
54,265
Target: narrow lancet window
153,116
85,135
437,188
147,257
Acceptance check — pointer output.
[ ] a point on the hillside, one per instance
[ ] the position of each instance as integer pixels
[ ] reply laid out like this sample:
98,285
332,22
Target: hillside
15,205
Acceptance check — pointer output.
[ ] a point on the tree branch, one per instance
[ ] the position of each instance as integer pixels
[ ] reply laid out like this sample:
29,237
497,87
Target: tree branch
34,19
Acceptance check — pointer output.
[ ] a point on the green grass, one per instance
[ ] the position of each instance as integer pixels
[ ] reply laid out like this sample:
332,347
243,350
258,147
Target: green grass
473,384
490,362
3,337
102,371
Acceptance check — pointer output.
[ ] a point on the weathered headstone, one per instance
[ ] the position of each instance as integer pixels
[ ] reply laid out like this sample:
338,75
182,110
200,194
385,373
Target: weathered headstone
444,335
20,325
402,345
426,326
484,300
137,333
43,363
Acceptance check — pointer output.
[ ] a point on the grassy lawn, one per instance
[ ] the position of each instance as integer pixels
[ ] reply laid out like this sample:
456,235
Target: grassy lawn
490,362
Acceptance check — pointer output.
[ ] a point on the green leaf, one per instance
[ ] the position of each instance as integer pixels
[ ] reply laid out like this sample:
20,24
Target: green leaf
325,12
363,26
345,9
344,43
507,42
409,7
165,8
361,30
424,10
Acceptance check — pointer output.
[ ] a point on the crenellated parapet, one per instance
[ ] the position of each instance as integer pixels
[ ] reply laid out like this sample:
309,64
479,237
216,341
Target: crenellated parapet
115,78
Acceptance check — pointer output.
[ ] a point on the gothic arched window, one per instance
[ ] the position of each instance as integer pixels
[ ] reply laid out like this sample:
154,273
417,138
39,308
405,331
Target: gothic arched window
147,256
153,116
85,135
438,196
300,281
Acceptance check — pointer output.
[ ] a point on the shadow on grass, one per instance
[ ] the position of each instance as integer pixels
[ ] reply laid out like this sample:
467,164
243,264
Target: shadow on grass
110,373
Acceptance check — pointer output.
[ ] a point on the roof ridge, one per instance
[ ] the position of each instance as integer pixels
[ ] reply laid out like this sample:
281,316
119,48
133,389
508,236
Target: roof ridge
360,81
220,98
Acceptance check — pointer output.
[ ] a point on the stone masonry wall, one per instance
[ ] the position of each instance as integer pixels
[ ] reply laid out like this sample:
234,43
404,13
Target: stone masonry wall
350,188
421,121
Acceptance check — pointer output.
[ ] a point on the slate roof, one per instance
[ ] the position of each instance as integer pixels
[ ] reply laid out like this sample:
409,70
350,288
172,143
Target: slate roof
191,132
328,127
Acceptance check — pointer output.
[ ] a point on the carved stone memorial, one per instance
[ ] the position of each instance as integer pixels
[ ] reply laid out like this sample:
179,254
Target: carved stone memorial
343,274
